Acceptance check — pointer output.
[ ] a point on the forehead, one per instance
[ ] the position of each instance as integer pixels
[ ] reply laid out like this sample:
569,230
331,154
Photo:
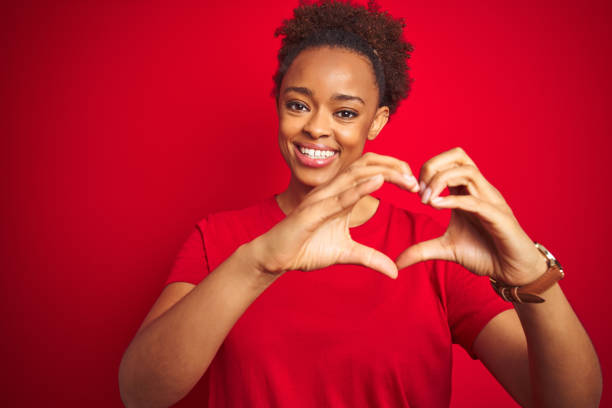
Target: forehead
327,71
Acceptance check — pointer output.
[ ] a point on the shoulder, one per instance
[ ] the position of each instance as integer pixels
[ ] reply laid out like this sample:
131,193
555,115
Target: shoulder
224,231
254,216
217,235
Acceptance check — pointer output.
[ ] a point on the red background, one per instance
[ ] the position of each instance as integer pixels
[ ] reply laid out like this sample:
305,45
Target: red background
124,123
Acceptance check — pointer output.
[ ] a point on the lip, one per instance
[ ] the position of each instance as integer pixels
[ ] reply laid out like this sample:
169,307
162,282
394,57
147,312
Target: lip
310,162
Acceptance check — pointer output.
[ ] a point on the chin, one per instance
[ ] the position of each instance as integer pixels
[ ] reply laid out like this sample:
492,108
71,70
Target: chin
313,180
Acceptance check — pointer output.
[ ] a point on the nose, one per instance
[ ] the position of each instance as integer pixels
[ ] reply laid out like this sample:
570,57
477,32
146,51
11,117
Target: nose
318,125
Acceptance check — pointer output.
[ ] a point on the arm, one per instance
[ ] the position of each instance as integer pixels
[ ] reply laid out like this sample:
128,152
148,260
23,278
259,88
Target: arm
540,353
184,330
187,325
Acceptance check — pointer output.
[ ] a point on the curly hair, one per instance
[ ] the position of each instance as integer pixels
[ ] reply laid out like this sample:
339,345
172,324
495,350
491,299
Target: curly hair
366,30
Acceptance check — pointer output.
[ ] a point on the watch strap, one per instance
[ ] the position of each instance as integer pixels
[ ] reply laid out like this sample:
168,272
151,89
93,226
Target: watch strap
529,293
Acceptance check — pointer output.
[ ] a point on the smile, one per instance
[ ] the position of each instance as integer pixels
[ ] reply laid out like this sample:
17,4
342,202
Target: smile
317,154
314,156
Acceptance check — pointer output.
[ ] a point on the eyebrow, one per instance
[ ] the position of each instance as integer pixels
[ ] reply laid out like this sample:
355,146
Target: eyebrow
299,89
336,97
344,97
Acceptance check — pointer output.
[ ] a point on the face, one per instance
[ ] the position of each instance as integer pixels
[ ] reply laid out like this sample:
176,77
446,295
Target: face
327,108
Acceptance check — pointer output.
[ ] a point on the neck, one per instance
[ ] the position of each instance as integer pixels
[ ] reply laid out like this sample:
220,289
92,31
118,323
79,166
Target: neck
292,196
289,199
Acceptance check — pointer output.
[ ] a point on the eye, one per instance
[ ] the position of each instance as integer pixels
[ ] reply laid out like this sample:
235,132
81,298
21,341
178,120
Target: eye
296,106
346,114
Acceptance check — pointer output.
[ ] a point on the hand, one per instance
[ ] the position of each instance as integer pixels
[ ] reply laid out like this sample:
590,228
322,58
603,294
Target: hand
316,234
483,235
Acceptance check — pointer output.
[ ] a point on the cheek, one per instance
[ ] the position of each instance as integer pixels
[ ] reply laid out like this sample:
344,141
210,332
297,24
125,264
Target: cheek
353,139
288,126
282,143
286,134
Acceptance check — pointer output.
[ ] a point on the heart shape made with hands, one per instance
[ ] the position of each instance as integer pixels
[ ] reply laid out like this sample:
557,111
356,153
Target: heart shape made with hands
482,234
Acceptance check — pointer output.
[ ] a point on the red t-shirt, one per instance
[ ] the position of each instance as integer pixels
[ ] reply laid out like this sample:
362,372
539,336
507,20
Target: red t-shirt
342,336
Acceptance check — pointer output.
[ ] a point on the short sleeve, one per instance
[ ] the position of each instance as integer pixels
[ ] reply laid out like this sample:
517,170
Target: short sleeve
471,304
191,263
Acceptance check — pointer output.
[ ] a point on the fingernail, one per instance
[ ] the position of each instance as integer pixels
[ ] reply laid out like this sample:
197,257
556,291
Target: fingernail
422,187
377,177
410,179
426,195
437,200
412,182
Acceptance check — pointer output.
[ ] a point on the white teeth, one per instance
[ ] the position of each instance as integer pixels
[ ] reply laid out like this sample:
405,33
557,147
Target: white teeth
317,154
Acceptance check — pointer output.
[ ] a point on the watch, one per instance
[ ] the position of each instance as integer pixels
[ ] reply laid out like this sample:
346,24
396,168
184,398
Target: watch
529,293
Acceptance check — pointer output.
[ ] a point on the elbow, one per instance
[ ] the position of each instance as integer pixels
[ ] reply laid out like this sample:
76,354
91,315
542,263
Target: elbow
126,388
596,389
592,386
130,388
584,392
140,386
127,401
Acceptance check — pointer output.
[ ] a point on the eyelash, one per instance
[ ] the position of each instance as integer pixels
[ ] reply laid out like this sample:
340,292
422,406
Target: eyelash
296,106
351,113
300,107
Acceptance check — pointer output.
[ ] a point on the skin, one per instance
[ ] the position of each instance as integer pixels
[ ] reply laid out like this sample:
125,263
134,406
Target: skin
539,352
324,118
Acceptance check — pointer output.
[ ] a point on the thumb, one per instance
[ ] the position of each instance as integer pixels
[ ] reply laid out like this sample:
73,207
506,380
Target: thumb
360,254
424,251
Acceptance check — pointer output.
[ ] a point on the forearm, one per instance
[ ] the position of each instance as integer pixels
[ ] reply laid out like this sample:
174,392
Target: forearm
563,365
167,357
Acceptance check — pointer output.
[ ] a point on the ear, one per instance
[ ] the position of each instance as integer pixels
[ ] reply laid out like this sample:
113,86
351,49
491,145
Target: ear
381,117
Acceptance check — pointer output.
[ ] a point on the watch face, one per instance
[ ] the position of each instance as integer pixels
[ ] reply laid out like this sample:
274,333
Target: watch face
552,261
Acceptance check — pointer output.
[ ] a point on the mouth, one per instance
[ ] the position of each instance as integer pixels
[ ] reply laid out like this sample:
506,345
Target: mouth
314,155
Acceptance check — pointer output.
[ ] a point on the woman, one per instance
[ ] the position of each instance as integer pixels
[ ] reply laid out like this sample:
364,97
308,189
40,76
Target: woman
280,304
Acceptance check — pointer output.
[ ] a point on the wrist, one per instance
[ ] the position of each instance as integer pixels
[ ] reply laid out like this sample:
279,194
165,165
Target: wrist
252,255
539,268
531,291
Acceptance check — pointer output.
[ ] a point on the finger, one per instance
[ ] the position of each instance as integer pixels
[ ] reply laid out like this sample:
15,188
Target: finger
466,175
374,159
356,175
448,159
424,251
360,254
469,177
371,158
486,211
391,174
498,221
315,214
